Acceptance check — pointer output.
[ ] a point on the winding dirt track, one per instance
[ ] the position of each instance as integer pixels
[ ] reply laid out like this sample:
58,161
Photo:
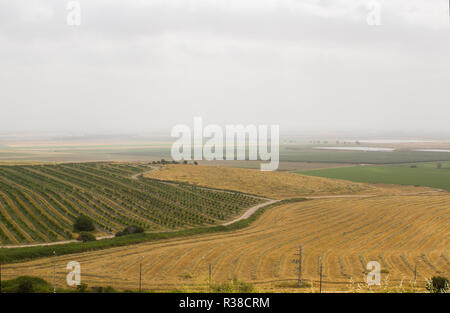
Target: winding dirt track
251,211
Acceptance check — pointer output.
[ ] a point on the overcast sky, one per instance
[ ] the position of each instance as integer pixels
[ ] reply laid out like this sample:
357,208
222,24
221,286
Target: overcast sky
137,66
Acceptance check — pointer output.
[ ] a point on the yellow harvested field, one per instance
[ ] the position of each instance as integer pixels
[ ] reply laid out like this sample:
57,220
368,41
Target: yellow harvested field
283,166
347,233
276,185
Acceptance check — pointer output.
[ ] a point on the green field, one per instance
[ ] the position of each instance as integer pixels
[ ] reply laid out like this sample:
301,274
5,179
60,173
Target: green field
307,153
39,203
426,174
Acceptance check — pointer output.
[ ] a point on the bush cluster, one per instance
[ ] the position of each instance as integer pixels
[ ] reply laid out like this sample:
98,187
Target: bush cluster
83,223
86,236
130,230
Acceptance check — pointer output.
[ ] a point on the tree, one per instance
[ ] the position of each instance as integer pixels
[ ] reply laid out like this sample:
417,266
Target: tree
83,223
85,237
130,230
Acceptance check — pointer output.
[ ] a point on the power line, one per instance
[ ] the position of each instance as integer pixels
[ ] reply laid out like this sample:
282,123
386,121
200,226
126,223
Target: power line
210,276
415,266
54,272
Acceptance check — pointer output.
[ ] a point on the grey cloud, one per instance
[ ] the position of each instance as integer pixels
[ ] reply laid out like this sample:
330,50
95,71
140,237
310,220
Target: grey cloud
137,65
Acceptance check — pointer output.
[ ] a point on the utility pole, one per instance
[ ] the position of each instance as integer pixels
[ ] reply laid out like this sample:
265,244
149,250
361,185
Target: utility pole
210,276
415,270
320,274
54,272
140,275
300,257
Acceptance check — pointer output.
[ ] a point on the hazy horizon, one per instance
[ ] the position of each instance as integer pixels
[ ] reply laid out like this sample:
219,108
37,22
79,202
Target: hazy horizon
161,135
310,66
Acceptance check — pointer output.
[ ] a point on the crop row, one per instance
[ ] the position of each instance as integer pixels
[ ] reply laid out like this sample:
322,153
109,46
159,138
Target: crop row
39,203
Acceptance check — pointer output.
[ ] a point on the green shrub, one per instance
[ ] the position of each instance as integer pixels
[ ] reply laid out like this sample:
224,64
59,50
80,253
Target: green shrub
85,237
107,289
233,286
26,284
82,288
130,230
437,284
83,223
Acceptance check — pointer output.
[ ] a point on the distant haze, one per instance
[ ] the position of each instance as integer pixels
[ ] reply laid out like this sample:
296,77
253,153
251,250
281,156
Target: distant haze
143,66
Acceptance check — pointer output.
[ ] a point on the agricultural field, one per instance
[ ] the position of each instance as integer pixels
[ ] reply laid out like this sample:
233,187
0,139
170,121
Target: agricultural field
83,152
404,233
39,203
283,166
275,185
308,153
141,150
422,174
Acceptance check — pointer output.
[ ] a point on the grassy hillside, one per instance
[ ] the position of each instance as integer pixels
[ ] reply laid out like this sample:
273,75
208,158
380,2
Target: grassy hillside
276,185
422,175
39,203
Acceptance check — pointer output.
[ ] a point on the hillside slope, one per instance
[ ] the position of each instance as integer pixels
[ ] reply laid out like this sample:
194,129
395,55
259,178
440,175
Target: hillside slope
396,231
39,203
275,185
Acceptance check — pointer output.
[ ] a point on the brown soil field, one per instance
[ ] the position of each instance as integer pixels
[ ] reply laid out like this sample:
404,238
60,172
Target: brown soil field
396,231
275,185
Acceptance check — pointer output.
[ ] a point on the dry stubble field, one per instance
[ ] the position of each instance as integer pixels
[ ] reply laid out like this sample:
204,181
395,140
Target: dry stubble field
394,230
275,185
